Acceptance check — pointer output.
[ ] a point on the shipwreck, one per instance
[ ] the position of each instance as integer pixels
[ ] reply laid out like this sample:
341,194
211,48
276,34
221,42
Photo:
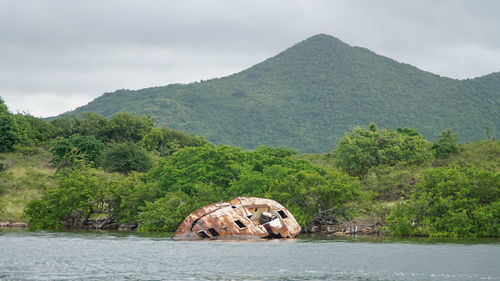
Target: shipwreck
240,218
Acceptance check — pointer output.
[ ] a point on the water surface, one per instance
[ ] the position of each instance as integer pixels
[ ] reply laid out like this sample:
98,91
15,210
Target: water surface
26,255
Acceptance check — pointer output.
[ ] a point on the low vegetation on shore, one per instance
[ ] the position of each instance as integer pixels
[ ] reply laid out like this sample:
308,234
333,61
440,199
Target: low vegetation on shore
89,171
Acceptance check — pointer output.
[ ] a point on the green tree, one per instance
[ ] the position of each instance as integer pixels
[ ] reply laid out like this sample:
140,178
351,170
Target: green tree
361,149
63,126
450,201
79,196
446,144
91,124
306,193
33,130
218,165
76,151
126,127
125,158
8,129
210,174
167,141
166,213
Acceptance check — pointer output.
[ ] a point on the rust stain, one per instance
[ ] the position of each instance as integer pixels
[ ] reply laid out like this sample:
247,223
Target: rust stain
240,218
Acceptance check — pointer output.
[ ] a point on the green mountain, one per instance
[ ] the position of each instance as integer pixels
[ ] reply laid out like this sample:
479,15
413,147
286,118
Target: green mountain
309,95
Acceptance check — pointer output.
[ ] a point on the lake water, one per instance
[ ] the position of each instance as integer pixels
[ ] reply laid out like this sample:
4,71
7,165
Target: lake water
28,255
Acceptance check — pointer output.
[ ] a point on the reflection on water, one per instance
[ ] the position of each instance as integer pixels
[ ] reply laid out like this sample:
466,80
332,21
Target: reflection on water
154,256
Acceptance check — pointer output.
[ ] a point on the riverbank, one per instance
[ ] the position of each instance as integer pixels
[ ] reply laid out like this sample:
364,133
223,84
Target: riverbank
345,228
13,224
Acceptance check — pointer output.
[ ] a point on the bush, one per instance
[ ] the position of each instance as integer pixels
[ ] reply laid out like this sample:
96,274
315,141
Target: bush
125,158
210,174
79,196
126,127
446,144
167,141
166,213
9,131
450,201
76,151
361,149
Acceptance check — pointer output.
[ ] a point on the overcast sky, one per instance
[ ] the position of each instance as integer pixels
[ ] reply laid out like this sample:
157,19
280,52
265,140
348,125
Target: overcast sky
58,55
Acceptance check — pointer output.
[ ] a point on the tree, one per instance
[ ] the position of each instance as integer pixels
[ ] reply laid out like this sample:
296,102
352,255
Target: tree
63,126
306,193
450,201
8,129
125,158
33,130
446,144
126,127
167,141
79,196
76,150
166,213
91,124
361,149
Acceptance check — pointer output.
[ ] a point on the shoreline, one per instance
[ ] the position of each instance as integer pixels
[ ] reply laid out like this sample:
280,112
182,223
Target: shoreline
13,224
340,229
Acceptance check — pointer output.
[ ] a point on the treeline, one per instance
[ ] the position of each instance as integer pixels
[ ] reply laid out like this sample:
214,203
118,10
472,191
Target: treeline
124,170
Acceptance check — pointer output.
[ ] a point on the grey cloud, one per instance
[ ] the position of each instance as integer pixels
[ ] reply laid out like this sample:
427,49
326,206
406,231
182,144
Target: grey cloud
76,50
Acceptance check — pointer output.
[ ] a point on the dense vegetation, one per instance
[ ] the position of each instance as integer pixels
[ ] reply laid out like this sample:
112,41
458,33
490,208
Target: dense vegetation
73,172
451,201
312,93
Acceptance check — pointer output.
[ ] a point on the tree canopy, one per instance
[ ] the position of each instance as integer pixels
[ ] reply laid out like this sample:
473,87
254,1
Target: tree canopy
361,149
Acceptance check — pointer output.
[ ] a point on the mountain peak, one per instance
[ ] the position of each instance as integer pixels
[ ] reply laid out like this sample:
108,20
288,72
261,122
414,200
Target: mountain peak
311,94
323,40
324,37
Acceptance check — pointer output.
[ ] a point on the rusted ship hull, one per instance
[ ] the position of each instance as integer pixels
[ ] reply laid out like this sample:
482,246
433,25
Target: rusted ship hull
240,218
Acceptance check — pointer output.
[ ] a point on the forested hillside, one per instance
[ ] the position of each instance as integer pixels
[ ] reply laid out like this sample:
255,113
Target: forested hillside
309,95
93,172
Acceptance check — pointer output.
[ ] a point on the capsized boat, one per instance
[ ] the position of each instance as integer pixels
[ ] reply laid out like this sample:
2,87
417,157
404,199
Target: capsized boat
240,218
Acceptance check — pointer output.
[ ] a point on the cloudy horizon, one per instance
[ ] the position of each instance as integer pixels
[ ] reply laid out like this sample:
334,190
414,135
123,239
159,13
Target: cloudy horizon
58,55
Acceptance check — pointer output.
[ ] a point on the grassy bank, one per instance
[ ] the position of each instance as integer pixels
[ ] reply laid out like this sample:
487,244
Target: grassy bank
25,175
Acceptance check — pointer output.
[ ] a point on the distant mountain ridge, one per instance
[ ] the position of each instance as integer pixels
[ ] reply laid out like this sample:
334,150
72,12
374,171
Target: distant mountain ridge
309,95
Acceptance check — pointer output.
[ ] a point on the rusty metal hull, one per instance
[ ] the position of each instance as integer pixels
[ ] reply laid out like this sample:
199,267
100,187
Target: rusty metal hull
240,218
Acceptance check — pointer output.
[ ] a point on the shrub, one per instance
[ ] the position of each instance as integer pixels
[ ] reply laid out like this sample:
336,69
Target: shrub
450,201
361,149
125,158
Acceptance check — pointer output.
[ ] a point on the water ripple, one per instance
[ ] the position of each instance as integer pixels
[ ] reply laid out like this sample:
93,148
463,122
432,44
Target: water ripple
123,256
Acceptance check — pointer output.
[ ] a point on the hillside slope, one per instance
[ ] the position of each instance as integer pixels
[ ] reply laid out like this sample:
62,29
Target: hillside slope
309,95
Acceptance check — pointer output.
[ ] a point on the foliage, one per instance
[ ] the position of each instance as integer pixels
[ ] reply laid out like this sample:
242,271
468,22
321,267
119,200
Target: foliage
8,129
451,201
389,183
165,214
91,124
63,126
76,151
79,196
311,94
446,144
167,141
361,149
483,154
125,158
459,198
126,127
32,130
305,193
213,173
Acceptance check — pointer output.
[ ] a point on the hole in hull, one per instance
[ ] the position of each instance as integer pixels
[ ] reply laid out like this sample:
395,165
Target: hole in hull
282,214
213,232
203,234
239,224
